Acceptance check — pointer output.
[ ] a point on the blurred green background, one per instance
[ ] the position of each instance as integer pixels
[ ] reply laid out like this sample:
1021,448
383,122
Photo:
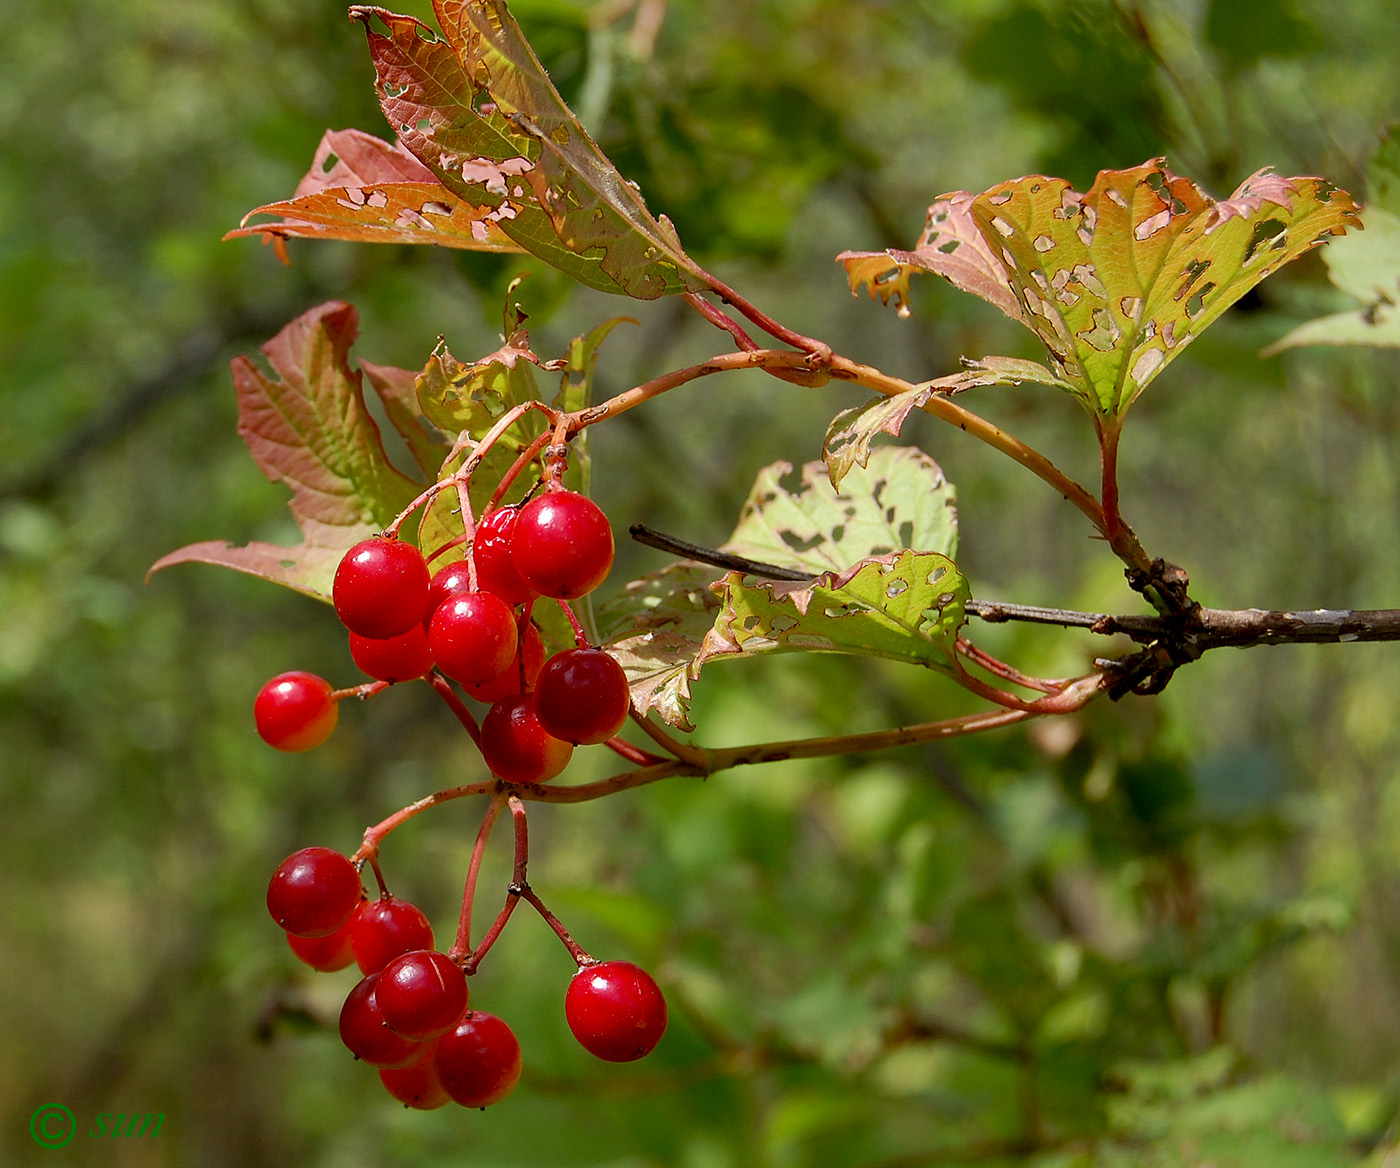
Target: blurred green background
1164,933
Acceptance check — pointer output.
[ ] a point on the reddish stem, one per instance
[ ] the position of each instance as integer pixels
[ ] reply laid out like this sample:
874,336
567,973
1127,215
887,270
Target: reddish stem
463,946
820,351
633,754
721,320
576,951
1120,536
455,704
1001,669
524,459
580,637
363,692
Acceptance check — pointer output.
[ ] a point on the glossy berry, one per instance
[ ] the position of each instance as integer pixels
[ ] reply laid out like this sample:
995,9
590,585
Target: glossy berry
422,994
417,1085
562,546
400,658
582,696
478,1061
615,1010
294,711
507,682
364,1034
516,747
454,577
495,565
326,954
387,928
473,636
381,587
313,892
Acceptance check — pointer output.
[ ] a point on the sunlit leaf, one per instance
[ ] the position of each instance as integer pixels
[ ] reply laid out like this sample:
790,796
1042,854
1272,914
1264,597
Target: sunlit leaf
1118,280
307,426
398,393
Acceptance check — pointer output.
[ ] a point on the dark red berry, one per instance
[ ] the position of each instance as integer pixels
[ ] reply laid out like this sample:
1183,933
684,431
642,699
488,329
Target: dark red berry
473,636
495,566
381,587
400,658
478,1061
417,1085
615,1010
422,994
563,545
516,747
364,1034
507,682
313,892
326,954
582,696
294,711
387,928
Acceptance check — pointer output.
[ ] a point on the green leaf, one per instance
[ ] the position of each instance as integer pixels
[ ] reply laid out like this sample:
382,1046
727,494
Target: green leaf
576,392
307,426
1116,281
898,499
848,438
397,390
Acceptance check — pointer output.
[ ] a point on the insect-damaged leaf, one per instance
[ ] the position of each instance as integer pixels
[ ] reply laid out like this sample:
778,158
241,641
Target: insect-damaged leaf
363,189
307,426
1118,280
479,111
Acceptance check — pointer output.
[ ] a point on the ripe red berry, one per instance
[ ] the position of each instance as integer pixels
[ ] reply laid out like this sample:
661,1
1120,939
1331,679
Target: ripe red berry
313,892
326,954
507,682
473,636
562,545
422,994
364,1034
417,1085
516,747
615,1010
582,696
495,566
478,1061
381,587
294,711
454,577
387,928
400,658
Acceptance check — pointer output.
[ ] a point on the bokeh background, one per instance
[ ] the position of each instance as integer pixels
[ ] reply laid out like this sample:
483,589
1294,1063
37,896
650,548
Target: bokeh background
1164,933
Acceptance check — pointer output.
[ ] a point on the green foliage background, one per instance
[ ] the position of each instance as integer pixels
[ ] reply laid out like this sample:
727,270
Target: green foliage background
1165,933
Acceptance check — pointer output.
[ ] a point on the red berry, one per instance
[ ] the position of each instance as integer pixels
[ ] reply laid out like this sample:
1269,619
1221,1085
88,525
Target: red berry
582,696
313,892
507,682
478,1062
294,711
473,636
454,577
495,567
417,1085
364,1034
422,994
516,747
381,587
615,1010
386,928
400,658
562,546
326,954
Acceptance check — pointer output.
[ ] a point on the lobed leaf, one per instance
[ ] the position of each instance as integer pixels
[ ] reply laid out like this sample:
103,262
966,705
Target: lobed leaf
1116,281
307,425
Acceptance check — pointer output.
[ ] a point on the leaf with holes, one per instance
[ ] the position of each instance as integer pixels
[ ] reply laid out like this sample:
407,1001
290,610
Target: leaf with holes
362,189
904,607
848,438
479,111
899,499
1118,280
307,426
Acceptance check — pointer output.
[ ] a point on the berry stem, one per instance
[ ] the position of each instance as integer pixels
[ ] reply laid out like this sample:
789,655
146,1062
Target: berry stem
374,836
721,319
576,951
580,634
455,704
525,458
373,860
463,946
518,881
633,754
363,692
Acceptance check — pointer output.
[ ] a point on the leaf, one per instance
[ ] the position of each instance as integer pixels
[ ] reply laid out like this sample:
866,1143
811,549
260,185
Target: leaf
903,607
398,393
1117,281
576,392
479,111
307,426
848,438
360,188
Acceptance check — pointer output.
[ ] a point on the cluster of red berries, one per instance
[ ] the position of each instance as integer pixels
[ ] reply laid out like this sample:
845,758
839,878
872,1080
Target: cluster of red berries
408,1015
471,622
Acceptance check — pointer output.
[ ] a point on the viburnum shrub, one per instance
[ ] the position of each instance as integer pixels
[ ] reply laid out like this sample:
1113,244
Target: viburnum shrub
486,546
